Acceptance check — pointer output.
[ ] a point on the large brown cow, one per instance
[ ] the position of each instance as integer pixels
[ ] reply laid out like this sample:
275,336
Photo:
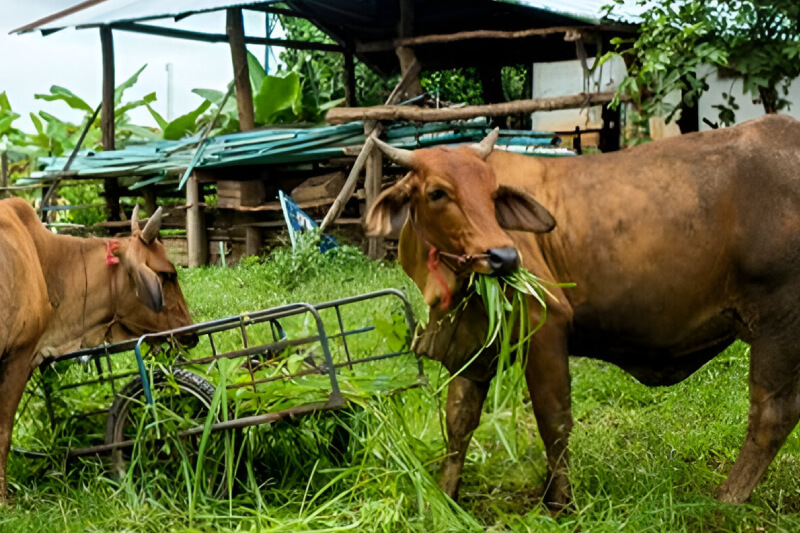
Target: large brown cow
60,293
677,248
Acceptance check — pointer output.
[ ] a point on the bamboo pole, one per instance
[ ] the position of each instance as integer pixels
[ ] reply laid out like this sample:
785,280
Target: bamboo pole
341,115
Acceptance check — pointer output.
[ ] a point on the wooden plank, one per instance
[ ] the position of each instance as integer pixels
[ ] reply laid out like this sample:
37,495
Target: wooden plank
341,115
240,193
317,188
244,95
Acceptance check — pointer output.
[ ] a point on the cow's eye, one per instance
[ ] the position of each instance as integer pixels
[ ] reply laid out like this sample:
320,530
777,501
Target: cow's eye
436,194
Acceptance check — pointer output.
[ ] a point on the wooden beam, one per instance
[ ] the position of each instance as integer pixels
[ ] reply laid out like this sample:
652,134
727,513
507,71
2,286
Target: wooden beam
196,239
350,78
107,110
572,33
277,11
3,173
341,115
253,240
222,38
111,185
241,74
405,29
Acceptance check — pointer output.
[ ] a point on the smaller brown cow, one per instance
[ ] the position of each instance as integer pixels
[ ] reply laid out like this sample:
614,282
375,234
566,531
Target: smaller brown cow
676,248
61,293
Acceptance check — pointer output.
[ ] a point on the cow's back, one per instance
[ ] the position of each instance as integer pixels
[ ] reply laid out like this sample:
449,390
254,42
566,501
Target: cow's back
667,241
24,306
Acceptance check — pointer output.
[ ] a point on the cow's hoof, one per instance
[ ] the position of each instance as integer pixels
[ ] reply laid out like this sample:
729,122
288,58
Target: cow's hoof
558,497
728,494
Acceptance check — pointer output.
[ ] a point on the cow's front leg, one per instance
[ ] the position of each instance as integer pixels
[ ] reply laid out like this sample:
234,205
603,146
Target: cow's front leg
547,374
15,369
464,403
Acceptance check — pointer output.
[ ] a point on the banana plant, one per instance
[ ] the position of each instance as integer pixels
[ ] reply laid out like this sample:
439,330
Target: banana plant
56,136
288,98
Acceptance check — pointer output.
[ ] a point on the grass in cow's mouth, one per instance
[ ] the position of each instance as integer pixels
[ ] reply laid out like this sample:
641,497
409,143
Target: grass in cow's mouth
507,302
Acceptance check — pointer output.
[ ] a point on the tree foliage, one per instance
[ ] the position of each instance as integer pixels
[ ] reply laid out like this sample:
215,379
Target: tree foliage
755,41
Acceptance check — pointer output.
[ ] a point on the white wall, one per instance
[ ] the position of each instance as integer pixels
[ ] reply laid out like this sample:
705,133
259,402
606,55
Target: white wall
747,109
563,78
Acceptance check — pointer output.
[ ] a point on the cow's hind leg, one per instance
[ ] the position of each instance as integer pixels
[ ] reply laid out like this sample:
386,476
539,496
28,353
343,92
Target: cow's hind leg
15,369
774,410
463,412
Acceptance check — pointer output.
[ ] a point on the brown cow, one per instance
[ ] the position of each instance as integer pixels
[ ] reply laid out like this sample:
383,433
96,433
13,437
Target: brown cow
61,293
677,247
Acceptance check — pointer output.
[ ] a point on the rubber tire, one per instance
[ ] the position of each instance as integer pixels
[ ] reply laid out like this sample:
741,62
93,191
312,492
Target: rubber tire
187,382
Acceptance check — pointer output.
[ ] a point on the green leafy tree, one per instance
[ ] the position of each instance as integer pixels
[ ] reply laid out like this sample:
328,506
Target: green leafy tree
755,41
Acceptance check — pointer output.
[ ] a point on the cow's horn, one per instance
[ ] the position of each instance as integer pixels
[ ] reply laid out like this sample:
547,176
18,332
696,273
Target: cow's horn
150,231
135,220
398,155
485,147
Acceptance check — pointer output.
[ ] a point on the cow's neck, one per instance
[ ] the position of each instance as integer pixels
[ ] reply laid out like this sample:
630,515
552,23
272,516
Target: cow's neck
80,289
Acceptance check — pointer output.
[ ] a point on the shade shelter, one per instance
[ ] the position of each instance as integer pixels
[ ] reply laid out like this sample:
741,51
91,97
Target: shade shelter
404,36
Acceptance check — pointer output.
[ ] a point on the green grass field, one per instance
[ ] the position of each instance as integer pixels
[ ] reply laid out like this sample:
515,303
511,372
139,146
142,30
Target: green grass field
642,459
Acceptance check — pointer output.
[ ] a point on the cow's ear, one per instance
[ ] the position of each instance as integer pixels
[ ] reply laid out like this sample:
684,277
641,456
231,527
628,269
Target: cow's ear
389,212
148,288
517,210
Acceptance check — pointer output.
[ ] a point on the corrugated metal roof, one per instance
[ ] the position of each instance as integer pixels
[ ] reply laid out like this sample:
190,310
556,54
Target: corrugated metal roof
104,12
165,161
590,11
118,11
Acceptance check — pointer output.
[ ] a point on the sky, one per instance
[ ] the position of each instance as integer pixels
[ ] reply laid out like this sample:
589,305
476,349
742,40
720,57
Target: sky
31,63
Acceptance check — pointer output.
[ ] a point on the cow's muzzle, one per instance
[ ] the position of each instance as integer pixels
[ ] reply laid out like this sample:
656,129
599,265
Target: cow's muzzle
503,260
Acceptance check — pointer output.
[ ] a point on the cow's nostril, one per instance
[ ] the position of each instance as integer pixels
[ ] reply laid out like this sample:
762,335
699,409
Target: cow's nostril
503,260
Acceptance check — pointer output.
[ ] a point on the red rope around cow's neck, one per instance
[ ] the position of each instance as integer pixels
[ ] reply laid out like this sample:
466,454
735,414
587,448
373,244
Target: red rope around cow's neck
111,247
433,268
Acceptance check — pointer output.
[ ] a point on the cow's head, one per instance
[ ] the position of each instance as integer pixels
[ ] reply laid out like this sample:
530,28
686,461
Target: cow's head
450,201
146,294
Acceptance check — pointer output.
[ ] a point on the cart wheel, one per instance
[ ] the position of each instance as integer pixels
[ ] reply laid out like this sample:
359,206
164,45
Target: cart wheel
182,400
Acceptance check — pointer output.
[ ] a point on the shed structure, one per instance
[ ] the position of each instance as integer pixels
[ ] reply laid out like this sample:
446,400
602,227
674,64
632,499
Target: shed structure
388,35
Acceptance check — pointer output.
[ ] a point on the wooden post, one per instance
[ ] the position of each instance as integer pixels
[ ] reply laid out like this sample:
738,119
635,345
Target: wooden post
241,74
150,200
253,241
405,54
107,118
372,188
4,173
196,239
349,77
